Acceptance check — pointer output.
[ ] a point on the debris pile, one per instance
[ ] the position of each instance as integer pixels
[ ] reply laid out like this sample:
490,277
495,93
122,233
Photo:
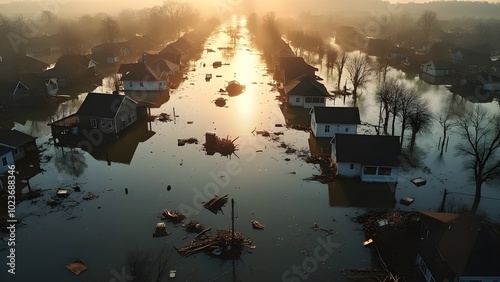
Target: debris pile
160,230
220,102
373,220
194,227
224,146
164,117
182,142
257,225
325,163
224,245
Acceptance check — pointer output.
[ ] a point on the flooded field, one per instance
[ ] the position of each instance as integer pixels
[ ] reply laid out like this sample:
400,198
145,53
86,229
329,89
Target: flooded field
145,172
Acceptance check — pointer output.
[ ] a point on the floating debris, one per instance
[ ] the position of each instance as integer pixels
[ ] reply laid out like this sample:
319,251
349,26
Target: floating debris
208,76
182,142
264,133
220,102
419,181
324,161
217,64
257,225
76,188
77,267
224,146
234,88
164,117
194,227
173,216
51,202
160,230
406,201
90,196
216,203
62,192
316,227
172,273
228,243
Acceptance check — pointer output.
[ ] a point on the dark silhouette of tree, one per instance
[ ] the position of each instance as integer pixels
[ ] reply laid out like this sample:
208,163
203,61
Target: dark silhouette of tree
419,120
331,58
383,96
407,102
339,66
447,120
359,68
427,23
110,29
70,39
180,15
480,145
395,103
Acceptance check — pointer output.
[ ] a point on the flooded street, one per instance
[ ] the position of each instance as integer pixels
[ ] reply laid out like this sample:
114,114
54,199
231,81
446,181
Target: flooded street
266,183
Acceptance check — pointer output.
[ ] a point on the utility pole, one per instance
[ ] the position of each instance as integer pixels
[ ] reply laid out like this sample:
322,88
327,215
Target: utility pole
441,209
232,221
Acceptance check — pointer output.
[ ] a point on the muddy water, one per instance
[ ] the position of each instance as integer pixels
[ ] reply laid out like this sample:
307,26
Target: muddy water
266,183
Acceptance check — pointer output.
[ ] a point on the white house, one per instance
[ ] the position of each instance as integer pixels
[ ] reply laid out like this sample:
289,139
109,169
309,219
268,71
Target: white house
373,158
328,121
306,92
438,68
6,159
141,77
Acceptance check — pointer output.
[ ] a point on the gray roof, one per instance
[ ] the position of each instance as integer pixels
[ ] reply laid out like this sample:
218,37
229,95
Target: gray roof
4,150
306,86
101,105
377,150
336,115
14,138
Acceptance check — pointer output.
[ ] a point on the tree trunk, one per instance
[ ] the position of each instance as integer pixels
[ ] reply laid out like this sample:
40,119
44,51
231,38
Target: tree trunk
403,124
393,122
386,121
338,80
477,196
412,141
444,139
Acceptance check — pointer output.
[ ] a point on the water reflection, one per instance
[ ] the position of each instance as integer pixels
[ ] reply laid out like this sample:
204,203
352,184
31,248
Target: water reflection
70,161
354,193
153,99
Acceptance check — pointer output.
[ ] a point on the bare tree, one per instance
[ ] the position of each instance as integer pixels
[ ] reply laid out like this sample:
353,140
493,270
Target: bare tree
180,14
70,40
331,59
427,23
480,134
384,94
419,120
408,101
395,103
358,67
110,29
339,66
447,120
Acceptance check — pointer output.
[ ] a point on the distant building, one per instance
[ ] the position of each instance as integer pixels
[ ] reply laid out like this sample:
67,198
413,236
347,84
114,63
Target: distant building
289,69
328,121
14,146
141,77
438,68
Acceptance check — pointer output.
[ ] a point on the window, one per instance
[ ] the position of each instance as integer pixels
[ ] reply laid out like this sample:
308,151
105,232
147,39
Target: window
322,100
17,151
93,122
308,100
351,166
106,124
384,171
327,128
297,99
370,170
131,84
347,129
4,161
141,84
124,123
131,118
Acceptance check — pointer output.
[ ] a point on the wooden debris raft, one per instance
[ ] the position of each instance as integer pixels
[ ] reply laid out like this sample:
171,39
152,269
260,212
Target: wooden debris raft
224,245
173,216
216,203
160,230
77,267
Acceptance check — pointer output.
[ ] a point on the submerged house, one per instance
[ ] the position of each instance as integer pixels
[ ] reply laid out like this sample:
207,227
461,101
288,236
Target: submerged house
71,69
108,113
306,92
373,158
458,248
142,77
110,53
328,121
34,86
438,68
15,146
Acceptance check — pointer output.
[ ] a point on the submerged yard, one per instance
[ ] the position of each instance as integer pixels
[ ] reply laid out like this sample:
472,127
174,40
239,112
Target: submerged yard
148,172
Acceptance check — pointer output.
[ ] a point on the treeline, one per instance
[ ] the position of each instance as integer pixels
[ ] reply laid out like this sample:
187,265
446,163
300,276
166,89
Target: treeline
160,23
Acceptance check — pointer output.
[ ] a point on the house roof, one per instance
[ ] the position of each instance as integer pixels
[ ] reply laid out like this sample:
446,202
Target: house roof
378,150
72,63
101,105
172,49
14,138
4,150
467,246
163,65
149,58
441,216
294,67
336,115
306,86
33,84
142,72
109,48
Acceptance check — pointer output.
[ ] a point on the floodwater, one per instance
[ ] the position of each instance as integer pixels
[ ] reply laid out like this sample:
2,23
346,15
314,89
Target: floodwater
266,183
